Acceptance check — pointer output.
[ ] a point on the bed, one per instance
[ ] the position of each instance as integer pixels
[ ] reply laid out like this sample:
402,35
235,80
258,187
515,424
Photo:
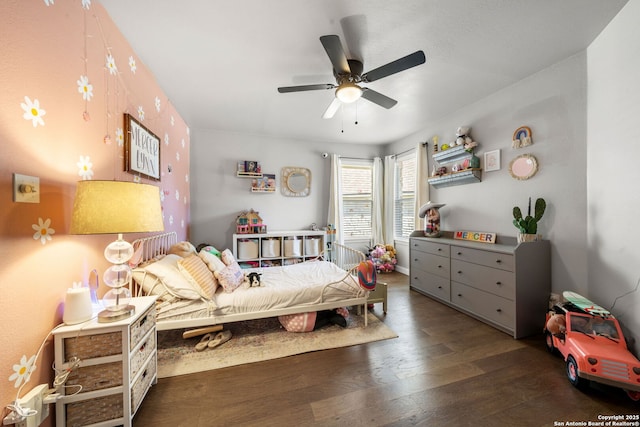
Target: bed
298,288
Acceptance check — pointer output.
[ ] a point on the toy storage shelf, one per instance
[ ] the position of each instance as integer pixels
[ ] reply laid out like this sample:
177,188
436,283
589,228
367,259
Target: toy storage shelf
451,155
276,248
467,176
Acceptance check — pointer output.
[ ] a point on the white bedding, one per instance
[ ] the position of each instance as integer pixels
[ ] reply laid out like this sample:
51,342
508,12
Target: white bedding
303,284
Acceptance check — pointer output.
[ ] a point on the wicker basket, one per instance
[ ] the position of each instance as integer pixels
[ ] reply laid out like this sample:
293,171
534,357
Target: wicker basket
92,346
95,410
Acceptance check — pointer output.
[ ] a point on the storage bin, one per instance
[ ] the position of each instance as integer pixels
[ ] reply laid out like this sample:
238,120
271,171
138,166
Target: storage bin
248,249
270,248
292,247
312,246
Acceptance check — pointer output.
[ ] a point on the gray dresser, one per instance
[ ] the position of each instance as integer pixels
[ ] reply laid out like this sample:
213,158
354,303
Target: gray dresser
505,284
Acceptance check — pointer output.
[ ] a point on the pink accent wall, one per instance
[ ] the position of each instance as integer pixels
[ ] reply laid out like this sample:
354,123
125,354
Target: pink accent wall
46,48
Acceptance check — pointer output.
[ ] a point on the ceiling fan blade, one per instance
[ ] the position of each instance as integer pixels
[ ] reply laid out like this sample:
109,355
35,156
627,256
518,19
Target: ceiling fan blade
332,108
303,88
378,98
336,54
409,61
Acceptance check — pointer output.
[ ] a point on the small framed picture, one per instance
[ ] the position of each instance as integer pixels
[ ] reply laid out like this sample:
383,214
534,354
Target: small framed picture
492,160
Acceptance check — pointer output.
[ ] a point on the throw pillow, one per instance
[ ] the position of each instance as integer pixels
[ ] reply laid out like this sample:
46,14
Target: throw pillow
230,277
198,274
213,262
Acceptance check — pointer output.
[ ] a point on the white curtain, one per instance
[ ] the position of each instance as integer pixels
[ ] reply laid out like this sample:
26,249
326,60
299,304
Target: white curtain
389,190
422,185
378,200
335,198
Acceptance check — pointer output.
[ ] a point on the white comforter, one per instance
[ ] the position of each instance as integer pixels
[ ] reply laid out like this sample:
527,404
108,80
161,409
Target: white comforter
302,284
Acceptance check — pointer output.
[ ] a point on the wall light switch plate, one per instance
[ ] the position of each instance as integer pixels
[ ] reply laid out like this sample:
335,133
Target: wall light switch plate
26,189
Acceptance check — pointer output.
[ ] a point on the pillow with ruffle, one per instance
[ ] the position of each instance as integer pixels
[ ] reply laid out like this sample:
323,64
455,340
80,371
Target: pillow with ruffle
163,278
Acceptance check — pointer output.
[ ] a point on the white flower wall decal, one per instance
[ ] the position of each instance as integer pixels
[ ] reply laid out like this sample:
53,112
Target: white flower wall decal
48,2
120,137
85,88
86,4
132,65
32,111
158,104
140,113
166,139
111,64
173,121
177,156
43,231
85,168
22,370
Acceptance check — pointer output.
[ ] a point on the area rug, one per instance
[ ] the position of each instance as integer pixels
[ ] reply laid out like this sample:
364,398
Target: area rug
259,340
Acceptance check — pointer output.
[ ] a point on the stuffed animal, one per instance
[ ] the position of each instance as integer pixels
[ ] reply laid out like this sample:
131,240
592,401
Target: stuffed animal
182,249
252,280
557,324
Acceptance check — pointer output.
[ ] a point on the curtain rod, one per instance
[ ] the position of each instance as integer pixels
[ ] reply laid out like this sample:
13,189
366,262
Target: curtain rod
396,154
406,151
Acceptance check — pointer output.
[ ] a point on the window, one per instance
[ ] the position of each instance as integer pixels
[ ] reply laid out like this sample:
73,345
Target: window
357,190
405,194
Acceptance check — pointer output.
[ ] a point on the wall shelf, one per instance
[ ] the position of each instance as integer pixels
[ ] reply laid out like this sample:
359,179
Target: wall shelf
451,155
467,176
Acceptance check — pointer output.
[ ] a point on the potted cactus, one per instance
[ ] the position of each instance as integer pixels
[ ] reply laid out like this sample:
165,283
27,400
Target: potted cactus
528,226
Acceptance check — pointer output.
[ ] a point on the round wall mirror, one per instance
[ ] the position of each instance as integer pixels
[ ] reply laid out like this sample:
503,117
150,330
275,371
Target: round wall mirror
296,182
523,167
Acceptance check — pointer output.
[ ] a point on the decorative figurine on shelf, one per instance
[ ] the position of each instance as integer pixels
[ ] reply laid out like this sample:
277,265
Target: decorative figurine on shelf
435,143
431,214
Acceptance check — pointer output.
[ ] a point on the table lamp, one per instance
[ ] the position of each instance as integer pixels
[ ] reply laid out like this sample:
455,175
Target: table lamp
116,207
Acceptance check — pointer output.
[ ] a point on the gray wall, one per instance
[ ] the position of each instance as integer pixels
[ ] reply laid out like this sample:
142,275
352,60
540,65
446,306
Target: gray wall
553,104
218,196
613,174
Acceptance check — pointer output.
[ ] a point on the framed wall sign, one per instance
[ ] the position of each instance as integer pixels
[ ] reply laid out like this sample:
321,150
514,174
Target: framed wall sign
141,149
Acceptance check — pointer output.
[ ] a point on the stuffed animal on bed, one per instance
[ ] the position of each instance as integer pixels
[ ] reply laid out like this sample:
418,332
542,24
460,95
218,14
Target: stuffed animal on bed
182,249
252,280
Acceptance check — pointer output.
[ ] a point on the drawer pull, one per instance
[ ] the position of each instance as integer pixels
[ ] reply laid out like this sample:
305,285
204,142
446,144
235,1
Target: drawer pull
439,266
459,295
499,310
439,287
459,271
439,249
498,261
459,253
499,283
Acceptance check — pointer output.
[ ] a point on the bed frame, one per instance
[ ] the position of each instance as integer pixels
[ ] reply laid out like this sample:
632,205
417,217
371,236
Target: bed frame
343,256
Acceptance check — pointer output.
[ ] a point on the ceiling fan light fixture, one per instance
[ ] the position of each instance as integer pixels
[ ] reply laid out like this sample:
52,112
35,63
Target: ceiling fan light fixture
348,92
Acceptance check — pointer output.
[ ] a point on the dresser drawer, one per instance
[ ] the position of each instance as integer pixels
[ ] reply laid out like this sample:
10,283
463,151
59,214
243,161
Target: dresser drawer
429,247
491,307
430,284
482,257
142,325
430,263
142,384
492,280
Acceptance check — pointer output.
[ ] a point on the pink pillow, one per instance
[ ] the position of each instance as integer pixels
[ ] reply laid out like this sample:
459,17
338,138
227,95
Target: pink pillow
227,257
230,277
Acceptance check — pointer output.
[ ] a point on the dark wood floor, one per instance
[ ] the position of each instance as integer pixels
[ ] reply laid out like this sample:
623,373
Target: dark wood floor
444,369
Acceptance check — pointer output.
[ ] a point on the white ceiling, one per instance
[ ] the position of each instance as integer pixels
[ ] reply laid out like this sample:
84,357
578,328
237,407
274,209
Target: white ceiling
221,62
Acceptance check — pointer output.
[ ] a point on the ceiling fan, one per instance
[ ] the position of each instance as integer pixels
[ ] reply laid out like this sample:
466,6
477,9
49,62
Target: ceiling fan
349,76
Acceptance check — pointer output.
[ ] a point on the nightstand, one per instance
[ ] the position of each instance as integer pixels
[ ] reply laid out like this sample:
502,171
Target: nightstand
117,367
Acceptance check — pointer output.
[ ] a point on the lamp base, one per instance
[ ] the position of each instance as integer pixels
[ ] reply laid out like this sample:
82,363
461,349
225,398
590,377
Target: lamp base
107,316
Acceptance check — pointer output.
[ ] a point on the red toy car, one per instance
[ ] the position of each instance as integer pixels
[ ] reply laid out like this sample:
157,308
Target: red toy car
593,347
